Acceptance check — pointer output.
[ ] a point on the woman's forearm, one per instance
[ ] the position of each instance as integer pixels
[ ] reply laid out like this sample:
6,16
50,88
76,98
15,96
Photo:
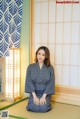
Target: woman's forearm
33,94
35,98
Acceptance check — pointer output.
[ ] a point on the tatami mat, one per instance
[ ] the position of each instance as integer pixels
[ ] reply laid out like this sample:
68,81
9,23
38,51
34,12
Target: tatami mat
59,111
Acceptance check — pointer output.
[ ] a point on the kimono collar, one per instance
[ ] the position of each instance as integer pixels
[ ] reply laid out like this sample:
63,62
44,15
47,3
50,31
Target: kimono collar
39,66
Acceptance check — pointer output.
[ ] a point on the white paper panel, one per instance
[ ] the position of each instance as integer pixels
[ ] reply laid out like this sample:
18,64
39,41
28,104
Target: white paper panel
58,54
75,33
51,33
79,78
59,31
37,0
52,53
74,55
37,13
66,54
79,55
65,73
44,12
44,0
36,47
67,33
39,45
37,36
67,12
52,5
76,12
58,74
74,76
59,13
44,33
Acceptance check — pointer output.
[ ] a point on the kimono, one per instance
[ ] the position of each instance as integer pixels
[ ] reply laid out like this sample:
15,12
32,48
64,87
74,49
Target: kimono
39,81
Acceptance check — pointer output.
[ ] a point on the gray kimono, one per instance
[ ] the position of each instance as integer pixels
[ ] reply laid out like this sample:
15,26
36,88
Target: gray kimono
39,81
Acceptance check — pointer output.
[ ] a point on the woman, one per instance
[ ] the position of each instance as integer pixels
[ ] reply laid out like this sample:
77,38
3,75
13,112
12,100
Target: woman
40,82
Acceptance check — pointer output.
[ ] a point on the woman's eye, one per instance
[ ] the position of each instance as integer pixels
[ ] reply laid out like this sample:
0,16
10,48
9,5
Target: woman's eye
41,54
38,53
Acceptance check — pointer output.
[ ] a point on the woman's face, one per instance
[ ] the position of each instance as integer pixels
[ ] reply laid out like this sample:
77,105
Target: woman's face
41,56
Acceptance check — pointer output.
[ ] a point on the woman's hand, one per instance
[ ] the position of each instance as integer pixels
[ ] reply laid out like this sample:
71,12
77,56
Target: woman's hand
35,98
43,99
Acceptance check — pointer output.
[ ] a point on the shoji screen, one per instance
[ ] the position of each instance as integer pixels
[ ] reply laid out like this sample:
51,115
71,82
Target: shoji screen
13,76
57,26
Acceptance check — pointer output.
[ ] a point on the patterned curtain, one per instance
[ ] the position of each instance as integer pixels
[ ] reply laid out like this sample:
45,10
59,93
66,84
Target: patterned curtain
10,25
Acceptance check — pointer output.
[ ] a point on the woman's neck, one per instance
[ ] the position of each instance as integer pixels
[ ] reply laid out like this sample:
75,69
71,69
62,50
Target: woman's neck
41,64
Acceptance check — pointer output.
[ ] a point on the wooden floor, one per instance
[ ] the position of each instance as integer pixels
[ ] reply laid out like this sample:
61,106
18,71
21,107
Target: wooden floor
59,111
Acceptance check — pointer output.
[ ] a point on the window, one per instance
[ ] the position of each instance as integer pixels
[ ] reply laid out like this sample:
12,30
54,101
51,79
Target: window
57,26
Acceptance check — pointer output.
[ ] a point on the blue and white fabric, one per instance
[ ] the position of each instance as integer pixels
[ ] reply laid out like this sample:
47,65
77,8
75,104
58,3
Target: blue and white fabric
10,25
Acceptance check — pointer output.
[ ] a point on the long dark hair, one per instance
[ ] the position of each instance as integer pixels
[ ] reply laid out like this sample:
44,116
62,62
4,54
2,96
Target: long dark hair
47,55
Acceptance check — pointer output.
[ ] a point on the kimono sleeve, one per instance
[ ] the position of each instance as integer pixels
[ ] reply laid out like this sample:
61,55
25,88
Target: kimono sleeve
50,87
29,84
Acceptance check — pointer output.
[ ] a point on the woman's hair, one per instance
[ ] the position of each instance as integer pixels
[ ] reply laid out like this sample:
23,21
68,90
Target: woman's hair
47,55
